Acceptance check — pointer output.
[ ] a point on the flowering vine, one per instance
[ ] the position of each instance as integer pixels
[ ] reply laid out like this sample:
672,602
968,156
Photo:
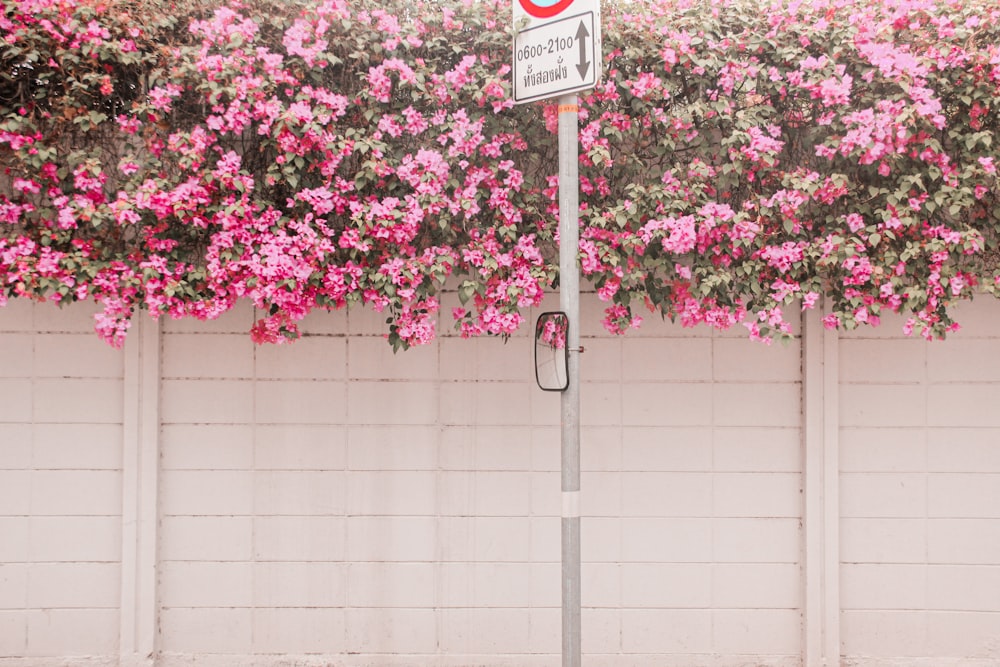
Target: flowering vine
737,162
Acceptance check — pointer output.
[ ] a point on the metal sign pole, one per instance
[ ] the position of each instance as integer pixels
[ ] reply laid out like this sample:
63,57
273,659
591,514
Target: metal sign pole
569,302
556,53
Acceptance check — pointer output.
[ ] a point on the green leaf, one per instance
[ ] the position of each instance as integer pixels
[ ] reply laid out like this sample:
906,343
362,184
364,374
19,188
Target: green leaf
465,292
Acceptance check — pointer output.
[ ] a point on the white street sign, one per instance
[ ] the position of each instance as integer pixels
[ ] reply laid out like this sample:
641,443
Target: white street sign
556,48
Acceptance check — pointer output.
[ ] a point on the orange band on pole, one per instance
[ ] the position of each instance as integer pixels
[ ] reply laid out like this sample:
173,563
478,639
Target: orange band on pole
568,108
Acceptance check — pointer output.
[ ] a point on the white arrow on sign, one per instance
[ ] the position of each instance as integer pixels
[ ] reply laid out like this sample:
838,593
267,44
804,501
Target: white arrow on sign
556,57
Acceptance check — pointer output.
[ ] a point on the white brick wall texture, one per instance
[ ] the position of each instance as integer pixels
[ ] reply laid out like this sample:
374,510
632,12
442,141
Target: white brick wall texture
920,494
60,486
329,502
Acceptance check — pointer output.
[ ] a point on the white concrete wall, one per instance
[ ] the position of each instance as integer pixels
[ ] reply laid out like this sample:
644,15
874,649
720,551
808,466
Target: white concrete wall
920,494
208,502
61,403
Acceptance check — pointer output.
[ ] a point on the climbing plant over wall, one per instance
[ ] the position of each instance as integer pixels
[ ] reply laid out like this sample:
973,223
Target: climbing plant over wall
738,162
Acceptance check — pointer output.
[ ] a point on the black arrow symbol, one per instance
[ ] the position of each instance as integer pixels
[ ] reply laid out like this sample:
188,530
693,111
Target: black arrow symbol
582,34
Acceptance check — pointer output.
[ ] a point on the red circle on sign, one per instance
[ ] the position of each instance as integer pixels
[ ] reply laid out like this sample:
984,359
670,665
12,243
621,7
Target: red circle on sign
542,12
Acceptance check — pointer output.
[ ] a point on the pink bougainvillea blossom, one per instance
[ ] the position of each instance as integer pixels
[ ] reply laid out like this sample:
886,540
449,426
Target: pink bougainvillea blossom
737,161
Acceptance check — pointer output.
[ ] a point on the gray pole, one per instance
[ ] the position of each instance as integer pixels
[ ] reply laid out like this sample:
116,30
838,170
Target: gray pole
569,302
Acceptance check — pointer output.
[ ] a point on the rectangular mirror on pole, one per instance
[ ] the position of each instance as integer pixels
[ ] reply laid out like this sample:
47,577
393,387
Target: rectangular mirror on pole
551,351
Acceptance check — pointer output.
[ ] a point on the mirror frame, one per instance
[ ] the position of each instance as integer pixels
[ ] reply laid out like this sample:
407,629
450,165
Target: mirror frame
539,324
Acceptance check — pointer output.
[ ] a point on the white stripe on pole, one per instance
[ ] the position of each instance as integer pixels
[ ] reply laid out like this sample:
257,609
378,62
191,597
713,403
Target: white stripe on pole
571,504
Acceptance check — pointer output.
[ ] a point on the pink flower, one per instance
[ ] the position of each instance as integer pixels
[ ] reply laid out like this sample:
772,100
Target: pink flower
128,124
459,76
160,97
618,319
608,290
301,112
784,256
855,222
645,84
27,186
302,32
